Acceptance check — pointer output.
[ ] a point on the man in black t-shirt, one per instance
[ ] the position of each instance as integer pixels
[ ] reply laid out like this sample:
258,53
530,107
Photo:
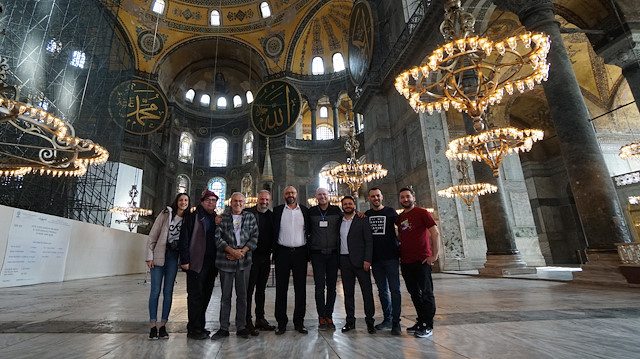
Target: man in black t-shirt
385,266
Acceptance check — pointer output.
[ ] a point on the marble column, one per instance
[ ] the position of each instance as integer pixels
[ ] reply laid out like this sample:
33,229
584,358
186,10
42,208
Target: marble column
336,122
503,257
594,193
313,122
449,212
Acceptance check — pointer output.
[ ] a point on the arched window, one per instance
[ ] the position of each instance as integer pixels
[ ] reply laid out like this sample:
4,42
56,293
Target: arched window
237,101
158,7
190,95
249,96
218,154
218,186
338,62
221,102
265,10
214,18
324,112
185,151
324,132
205,100
183,183
247,147
317,66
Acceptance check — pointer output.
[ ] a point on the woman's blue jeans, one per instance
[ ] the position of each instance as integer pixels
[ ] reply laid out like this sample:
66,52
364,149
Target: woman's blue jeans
167,272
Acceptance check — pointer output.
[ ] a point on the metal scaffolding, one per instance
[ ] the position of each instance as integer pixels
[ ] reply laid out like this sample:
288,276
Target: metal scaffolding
67,56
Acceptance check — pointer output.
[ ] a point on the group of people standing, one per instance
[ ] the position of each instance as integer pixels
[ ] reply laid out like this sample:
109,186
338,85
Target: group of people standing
238,247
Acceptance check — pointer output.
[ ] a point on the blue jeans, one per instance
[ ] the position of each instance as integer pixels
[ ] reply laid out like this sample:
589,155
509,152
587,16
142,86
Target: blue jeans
168,271
387,275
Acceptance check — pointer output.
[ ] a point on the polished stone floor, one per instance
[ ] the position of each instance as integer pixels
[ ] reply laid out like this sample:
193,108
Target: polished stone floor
476,318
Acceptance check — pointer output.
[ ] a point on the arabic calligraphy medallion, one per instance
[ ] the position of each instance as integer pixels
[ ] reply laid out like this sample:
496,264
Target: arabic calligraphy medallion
137,106
360,41
276,108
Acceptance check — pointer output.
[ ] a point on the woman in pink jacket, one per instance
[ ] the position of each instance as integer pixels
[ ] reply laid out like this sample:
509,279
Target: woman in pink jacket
162,259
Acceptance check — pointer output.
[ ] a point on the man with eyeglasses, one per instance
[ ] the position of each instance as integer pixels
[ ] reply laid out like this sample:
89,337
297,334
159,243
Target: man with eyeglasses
198,258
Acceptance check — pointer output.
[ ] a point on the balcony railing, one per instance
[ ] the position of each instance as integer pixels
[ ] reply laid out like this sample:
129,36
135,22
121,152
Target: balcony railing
629,253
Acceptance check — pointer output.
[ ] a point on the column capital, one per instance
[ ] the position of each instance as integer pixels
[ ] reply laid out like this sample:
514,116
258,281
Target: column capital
532,13
624,51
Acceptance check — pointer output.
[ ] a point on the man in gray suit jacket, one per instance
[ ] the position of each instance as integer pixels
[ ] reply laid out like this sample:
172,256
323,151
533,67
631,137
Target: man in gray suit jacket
236,237
356,253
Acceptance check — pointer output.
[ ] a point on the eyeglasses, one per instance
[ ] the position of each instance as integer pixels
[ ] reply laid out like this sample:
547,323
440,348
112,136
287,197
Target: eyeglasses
210,200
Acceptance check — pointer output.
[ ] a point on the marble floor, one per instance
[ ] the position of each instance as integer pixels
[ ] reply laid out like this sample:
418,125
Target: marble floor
476,318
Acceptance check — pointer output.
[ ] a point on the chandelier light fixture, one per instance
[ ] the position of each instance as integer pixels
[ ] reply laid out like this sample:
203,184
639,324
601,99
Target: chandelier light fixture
249,201
629,151
354,173
466,190
131,212
34,141
333,200
491,146
516,63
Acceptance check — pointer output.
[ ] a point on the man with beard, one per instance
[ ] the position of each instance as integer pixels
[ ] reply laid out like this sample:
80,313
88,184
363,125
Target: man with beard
385,266
419,239
261,262
198,259
324,239
356,252
290,223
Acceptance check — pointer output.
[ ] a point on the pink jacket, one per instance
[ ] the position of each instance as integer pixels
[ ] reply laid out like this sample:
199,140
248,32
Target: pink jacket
157,240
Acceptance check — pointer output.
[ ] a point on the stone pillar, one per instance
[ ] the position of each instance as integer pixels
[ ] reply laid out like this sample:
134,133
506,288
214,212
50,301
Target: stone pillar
594,193
336,123
503,257
313,122
449,212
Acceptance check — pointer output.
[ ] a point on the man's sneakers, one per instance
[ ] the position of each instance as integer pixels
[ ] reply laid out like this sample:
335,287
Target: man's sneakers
221,333
395,329
385,325
153,333
420,331
423,332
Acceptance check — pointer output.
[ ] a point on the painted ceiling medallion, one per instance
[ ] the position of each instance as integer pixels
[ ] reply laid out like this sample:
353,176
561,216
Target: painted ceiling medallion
273,46
150,44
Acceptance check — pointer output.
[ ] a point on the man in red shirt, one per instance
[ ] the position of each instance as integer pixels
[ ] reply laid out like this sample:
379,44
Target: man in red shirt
419,238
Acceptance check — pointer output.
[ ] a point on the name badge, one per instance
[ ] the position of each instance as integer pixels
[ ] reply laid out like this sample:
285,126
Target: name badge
324,224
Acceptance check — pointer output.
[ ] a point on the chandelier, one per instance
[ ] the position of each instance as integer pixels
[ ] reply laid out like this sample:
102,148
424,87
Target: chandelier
333,200
249,201
516,63
131,212
354,173
34,141
493,145
466,190
630,150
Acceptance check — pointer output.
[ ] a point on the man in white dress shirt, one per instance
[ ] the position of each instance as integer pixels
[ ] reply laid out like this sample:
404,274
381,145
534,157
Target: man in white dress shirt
290,255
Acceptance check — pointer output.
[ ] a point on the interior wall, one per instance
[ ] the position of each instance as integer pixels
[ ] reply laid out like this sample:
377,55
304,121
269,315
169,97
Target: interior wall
93,251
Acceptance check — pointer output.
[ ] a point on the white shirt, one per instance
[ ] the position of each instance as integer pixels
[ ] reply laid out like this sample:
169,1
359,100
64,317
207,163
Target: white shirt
237,227
292,227
345,226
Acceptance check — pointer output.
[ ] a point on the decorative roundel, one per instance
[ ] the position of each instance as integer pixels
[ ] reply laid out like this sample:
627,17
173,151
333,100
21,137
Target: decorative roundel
200,172
203,131
149,43
275,108
274,46
235,132
361,36
138,106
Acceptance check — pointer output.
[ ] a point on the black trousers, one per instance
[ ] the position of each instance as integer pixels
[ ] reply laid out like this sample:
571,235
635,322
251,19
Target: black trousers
417,278
199,289
258,282
349,274
289,260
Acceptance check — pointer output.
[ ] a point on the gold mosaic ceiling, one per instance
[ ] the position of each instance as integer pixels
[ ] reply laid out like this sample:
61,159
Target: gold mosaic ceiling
296,31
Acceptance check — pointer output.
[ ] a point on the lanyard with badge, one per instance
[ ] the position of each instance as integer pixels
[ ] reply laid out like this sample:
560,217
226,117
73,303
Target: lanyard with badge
323,222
